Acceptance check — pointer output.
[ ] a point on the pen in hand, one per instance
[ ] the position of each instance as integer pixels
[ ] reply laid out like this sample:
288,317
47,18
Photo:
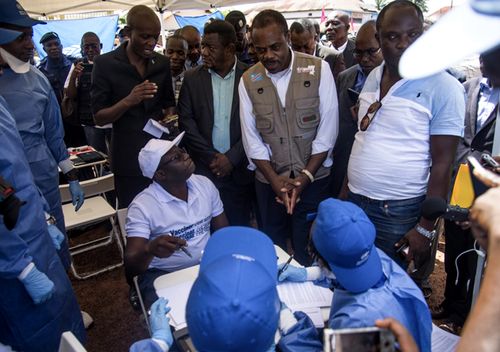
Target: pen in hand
184,249
285,266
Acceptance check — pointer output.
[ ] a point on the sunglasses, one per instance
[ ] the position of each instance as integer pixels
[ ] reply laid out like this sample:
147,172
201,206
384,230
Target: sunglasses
370,114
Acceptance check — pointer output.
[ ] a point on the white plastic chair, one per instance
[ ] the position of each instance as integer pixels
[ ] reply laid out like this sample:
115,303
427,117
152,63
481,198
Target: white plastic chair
69,343
94,209
122,218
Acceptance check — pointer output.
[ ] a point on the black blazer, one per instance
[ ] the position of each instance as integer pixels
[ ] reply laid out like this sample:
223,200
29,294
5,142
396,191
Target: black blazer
328,54
196,118
348,54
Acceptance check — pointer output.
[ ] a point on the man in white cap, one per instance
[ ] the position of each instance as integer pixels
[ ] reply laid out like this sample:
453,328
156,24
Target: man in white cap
168,224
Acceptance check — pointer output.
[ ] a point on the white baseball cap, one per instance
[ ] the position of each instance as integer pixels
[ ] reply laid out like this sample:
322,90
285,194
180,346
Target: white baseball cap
472,28
151,154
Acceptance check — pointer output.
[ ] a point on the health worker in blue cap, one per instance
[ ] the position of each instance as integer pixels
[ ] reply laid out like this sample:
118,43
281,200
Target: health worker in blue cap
368,285
37,114
234,304
37,303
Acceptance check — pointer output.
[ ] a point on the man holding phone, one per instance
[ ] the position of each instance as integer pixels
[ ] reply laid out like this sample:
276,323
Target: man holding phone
77,90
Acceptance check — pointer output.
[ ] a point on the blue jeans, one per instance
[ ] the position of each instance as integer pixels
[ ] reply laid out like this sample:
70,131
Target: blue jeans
392,220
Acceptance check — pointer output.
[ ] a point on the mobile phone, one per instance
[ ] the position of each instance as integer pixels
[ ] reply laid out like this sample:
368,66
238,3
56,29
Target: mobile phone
87,67
359,340
183,340
353,94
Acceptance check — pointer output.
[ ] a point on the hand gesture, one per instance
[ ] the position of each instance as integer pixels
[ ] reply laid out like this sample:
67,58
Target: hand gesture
145,90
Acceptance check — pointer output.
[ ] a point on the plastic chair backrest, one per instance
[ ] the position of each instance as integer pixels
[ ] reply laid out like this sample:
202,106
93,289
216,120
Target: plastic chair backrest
90,187
69,343
122,218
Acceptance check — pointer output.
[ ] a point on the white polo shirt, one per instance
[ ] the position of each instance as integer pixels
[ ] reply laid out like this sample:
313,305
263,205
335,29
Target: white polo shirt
391,160
156,212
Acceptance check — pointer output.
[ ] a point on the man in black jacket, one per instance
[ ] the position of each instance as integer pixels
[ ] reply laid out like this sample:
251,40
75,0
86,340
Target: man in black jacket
209,113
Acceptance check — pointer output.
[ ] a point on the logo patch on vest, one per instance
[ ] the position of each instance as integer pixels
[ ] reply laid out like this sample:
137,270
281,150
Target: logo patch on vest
309,69
260,90
308,118
255,77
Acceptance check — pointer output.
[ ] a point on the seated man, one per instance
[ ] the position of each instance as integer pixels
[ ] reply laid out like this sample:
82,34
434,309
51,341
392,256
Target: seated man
168,224
368,284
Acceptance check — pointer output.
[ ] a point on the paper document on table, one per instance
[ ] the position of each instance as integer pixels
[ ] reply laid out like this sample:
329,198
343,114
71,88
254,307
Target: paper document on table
177,300
298,295
443,341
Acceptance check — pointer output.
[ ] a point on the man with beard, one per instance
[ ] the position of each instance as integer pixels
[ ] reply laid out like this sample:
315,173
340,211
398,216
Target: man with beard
289,119
131,85
209,113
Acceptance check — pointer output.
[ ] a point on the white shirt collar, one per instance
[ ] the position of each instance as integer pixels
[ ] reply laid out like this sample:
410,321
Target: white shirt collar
342,47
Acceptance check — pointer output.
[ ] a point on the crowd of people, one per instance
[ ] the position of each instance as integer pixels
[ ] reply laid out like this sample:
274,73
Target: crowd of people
315,138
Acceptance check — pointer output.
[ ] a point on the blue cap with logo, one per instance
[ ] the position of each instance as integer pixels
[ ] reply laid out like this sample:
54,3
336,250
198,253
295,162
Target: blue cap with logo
13,13
344,236
7,35
233,304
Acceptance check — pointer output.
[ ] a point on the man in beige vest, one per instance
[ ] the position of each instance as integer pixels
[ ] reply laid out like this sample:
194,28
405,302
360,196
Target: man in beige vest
289,121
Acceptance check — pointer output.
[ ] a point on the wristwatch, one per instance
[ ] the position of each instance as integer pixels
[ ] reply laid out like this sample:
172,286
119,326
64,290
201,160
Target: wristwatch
426,233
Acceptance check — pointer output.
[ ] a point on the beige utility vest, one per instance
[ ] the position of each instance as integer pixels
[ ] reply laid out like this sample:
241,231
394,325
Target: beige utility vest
288,130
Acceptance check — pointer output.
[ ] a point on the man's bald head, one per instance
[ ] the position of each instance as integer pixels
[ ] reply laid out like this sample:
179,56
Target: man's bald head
369,28
367,51
140,14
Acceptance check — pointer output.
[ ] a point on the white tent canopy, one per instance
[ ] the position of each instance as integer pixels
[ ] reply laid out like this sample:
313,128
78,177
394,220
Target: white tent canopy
53,7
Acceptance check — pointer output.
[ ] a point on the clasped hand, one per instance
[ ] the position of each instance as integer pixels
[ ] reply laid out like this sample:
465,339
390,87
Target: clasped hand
288,190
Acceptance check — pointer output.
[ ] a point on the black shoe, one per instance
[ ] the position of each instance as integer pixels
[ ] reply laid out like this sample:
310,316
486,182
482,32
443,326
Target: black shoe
440,312
133,298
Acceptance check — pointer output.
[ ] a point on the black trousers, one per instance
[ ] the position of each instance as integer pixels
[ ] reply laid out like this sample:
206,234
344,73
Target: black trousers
127,187
280,226
238,200
458,293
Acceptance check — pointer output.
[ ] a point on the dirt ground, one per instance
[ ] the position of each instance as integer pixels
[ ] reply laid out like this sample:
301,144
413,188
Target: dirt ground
105,297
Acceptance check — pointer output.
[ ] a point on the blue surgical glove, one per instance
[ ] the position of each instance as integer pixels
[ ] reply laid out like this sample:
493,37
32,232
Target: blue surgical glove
159,322
38,285
292,273
77,194
56,235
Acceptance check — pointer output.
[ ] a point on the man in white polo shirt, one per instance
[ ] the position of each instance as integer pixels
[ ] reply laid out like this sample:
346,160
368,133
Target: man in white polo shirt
168,224
405,127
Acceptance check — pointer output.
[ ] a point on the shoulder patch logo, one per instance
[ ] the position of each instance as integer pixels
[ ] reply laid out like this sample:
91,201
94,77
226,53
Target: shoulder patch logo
308,69
255,77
